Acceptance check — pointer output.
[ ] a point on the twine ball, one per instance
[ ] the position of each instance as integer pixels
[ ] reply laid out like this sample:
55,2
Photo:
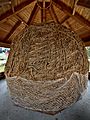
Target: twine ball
42,53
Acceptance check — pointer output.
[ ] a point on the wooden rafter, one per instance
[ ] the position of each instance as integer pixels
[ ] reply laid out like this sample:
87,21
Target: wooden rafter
73,4
12,5
87,39
53,14
19,18
85,35
64,19
4,44
84,3
17,9
69,26
16,15
12,30
33,14
43,11
69,11
2,3
87,44
3,29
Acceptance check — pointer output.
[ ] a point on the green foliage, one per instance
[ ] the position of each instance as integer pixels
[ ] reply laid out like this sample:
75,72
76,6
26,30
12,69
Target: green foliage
2,68
88,51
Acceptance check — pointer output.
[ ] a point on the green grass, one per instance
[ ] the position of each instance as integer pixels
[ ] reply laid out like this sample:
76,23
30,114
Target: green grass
2,67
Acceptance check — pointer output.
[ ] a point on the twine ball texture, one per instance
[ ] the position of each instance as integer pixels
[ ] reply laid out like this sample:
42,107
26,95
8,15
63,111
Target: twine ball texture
46,69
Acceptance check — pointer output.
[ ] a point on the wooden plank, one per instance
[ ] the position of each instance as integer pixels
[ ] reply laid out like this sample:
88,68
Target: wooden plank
3,44
81,19
87,44
3,29
64,19
17,9
69,26
19,18
69,11
33,14
2,3
16,15
62,6
43,12
12,5
84,3
53,14
12,30
85,35
87,39
73,4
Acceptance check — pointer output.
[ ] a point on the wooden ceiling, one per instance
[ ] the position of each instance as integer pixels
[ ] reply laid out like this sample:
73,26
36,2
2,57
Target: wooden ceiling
16,15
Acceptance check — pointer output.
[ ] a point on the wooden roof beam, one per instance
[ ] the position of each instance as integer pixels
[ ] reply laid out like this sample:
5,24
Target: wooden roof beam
53,14
33,14
87,39
4,44
17,9
12,5
69,26
43,11
12,30
42,15
69,11
19,18
64,19
16,15
2,3
3,29
84,3
87,44
85,35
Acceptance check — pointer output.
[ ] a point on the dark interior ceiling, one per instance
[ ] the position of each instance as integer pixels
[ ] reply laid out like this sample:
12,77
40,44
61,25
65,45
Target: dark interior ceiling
16,15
